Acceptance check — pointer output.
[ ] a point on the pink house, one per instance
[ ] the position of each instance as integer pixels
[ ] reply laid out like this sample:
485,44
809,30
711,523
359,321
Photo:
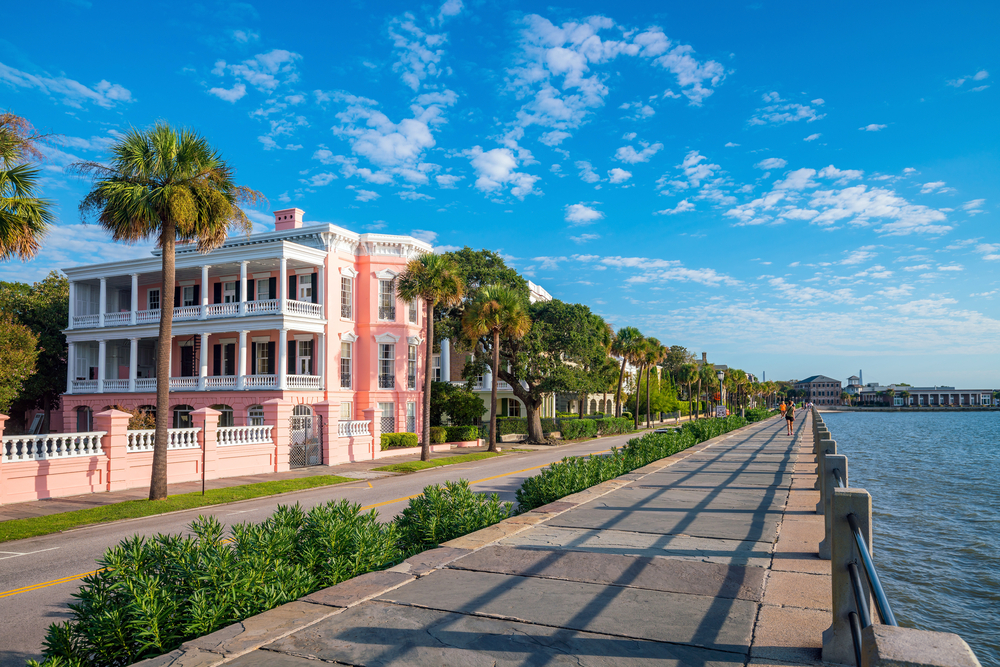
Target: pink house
306,314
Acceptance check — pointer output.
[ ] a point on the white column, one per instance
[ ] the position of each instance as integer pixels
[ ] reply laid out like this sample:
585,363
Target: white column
283,284
104,299
283,359
133,357
241,365
204,291
135,300
72,303
203,374
243,288
102,353
318,358
320,292
445,360
70,360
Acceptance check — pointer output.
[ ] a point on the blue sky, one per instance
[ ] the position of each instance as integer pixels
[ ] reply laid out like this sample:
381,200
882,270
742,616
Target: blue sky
794,190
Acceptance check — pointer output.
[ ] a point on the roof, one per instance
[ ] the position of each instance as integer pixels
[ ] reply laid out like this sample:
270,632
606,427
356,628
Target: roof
816,378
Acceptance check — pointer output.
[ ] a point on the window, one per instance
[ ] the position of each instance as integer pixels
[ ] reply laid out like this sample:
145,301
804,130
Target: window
229,292
411,417
412,308
187,296
182,416
411,368
305,288
226,418
513,408
436,368
301,410
386,366
87,299
84,419
263,361
345,365
346,290
386,300
264,290
345,411
388,417
153,299
305,357
255,415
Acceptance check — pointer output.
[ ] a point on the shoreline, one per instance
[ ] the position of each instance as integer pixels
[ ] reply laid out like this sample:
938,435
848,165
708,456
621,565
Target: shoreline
899,408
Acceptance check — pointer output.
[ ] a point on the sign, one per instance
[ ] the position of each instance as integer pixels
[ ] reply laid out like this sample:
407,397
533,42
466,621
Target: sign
36,424
720,411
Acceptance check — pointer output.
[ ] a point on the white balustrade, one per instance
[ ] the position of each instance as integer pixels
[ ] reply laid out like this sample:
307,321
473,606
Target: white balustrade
141,440
223,310
346,429
304,381
86,320
307,308
147,316
183,383
187,312
260,307
260,381
220,382
84,386
117,319
179,438
116,385
145,384
51,446
244,435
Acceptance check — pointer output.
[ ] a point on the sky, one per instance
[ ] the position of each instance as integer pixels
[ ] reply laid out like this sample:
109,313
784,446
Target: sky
794,188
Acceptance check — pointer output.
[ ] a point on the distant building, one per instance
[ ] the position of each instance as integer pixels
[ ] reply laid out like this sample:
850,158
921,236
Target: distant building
854,386
905,395
820,390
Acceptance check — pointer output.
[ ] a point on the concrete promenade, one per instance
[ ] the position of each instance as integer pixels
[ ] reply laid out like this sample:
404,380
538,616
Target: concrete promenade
707,557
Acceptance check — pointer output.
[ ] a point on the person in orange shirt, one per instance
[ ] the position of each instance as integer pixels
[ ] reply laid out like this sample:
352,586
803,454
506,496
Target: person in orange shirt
782,407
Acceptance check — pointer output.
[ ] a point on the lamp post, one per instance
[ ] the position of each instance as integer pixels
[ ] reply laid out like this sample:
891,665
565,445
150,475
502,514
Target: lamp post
722,400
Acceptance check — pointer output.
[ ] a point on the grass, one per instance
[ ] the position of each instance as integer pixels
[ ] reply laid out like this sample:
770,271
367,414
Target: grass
413,466
19,529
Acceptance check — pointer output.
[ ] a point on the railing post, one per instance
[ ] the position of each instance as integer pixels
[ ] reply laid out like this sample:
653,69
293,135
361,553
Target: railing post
206,420
278,412
115,446
889,646
830,462
374,415
838,646
825,447
822,443
328,413
3,453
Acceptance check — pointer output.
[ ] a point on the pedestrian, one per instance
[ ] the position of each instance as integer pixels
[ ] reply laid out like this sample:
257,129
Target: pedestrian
790,417
782,407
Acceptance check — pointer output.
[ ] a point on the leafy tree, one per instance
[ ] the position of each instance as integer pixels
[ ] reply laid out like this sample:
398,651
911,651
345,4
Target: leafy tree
24,217
676,357
43,308
477,269
497,311
172,186
435,279
627,346
18,354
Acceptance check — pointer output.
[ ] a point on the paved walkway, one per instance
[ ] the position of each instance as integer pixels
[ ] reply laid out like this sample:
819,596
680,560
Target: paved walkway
707,557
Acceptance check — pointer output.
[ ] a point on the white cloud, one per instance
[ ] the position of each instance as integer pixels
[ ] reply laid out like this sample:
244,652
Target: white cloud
424,235
74,245
617,175
989,251
709,277
931,187
365,195
630,155
683,206
320,180
896,292
554,138
410,195
581,214
858,256
265,71
974,206
229,94
779,112
418,53
587,173
447,181
549,263
244,36
771,163
70,92
449,8
730,144
813,137
629,136
873,128
841,176
496,169
978,76
800,179
583,238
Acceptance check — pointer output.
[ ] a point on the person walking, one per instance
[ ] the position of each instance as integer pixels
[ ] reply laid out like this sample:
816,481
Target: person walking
790,417
782,407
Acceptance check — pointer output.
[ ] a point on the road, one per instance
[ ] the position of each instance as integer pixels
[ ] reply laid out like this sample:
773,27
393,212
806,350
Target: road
39,575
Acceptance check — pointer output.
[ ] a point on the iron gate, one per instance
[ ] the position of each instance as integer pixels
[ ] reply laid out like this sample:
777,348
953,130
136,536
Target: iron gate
306,441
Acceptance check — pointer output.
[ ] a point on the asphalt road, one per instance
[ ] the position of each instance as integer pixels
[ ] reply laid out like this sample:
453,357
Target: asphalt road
39,575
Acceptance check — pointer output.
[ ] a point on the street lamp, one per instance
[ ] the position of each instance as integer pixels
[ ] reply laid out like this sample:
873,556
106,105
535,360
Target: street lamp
722,401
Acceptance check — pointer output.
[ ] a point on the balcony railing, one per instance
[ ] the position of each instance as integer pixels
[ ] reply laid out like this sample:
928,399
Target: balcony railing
183,383
346,429
215,310
115,385
387,313
386,382
303,381
216,382
41,447
260,382
145,384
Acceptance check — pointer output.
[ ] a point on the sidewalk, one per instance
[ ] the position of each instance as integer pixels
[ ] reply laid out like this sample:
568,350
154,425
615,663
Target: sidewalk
707,557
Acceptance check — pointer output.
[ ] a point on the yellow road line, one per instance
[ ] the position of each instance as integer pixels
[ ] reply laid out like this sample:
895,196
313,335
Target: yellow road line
46,584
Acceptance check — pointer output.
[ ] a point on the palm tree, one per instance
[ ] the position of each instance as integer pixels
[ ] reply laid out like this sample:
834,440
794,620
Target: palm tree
436,280
653,356
24,218
497,311
889,394
905,396
687,374
626,344
172,186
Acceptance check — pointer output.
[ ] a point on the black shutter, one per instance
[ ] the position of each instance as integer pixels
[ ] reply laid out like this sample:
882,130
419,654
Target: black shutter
253,358
239,291
217,293
249,290
291,357
177,296
197,295
315,288
272,287
231,359
503,407
272,367
216,360
292,286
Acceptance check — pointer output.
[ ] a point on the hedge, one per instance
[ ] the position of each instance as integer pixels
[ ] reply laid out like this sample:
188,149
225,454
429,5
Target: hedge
439,435
399,440
579,428
614,425
461,433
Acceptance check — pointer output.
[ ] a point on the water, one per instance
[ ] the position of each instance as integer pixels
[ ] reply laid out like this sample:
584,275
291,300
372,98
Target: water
935,485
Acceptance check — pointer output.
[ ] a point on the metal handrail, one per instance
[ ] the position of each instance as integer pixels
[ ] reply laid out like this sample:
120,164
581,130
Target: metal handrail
839,477
881,601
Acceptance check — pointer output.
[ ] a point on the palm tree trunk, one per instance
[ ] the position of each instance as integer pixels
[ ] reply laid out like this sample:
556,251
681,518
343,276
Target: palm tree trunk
495,375
425,430
158,480
648,416
638,386
618,394
699,398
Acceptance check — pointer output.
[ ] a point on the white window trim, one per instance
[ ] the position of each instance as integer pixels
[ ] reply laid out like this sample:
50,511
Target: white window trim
348,271
387,338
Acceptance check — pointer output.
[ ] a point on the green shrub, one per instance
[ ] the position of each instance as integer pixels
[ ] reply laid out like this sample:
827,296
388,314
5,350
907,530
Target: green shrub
519,425
614,425
579,428
399,440
443,513
439,435
758,414
626,414
461,433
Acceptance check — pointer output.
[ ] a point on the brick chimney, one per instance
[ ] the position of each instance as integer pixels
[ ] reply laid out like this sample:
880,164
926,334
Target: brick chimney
289,218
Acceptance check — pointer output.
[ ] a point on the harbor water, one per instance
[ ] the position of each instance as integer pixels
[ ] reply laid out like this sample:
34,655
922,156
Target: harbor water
935,485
